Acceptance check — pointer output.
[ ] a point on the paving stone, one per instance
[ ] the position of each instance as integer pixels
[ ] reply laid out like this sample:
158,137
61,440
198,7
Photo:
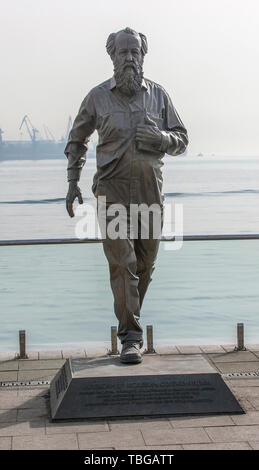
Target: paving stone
235,382
246,405
250,418
7,356
34,403
175,436
253,347
254,402
34,392
237,356
160,447
229,367
213,365
12,400
27,375
253,444
141,424
5,443
111,439
7,393
57,442
77,427
43,364
189,349
220,446
201,421
228,347
233,433
212,349
23,429
8,376
99,448
73,353
8,416
8,390
33,355
166,350
245,392
8,366
31,414
97,352
51,354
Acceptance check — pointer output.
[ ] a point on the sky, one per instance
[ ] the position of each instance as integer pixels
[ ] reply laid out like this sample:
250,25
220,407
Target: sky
205,53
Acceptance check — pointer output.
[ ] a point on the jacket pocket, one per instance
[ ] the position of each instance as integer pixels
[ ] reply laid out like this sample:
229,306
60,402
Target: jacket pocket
156,118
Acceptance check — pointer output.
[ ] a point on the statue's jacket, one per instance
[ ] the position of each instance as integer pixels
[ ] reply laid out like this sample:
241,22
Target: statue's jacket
127,171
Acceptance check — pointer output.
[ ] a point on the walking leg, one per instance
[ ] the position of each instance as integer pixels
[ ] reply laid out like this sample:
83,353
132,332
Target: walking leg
124,280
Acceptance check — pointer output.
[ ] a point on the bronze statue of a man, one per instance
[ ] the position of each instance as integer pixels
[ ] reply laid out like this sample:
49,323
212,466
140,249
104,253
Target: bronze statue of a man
136,124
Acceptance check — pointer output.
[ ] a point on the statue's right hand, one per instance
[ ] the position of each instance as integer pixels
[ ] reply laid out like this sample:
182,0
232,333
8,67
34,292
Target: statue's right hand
73,192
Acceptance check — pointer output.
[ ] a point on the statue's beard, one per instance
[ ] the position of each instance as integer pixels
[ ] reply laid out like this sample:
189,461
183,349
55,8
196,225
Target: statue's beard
128,79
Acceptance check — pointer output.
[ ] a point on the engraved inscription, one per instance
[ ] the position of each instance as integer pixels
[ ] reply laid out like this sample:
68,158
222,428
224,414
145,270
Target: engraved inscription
148,392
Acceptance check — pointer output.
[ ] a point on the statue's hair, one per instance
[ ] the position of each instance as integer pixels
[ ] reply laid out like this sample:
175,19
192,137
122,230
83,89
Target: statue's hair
110,44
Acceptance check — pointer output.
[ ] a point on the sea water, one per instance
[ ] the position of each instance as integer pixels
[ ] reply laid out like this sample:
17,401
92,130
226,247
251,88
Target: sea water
60,294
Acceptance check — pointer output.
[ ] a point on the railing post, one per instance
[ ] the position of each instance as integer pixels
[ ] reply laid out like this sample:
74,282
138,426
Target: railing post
150,344
240,338
114,345
22,345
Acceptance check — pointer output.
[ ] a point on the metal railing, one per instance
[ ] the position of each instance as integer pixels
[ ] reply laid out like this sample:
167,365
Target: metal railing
63,241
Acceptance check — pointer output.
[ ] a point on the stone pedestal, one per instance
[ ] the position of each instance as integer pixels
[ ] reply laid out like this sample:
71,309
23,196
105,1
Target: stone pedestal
166,385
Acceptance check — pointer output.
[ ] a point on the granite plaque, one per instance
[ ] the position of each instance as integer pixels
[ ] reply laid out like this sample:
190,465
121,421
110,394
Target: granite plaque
77,392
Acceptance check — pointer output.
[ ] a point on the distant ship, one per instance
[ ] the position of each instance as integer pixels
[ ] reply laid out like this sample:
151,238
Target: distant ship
35,149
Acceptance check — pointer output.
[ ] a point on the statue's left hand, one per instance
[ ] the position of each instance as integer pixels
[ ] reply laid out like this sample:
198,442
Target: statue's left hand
149,133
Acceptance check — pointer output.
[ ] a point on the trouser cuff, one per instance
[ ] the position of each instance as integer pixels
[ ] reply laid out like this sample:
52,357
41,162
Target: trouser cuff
131,336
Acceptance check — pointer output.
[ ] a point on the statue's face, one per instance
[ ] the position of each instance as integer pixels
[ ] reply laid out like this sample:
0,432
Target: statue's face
127,51
128,61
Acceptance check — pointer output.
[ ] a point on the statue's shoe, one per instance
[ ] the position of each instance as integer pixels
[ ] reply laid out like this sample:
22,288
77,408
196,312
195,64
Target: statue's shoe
130,352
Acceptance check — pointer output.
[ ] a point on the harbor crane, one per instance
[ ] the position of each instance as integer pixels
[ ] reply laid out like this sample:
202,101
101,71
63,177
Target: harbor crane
69,126
32,131
48,133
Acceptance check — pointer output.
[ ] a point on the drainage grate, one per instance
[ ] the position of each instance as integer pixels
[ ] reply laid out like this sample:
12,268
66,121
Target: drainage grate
241,374
47,382
21,384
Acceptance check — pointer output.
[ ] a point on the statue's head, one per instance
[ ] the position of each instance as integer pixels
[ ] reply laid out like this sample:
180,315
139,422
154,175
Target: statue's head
127,49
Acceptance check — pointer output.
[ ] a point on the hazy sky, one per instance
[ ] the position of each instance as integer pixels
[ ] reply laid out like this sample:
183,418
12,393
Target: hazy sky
204,52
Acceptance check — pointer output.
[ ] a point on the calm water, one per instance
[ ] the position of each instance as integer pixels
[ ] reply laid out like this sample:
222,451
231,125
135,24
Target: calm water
61,294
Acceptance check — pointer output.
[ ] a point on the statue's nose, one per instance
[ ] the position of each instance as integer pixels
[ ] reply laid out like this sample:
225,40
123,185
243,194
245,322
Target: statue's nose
129,57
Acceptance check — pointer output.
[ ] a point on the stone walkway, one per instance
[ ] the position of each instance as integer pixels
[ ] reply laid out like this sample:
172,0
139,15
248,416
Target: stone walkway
25,416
